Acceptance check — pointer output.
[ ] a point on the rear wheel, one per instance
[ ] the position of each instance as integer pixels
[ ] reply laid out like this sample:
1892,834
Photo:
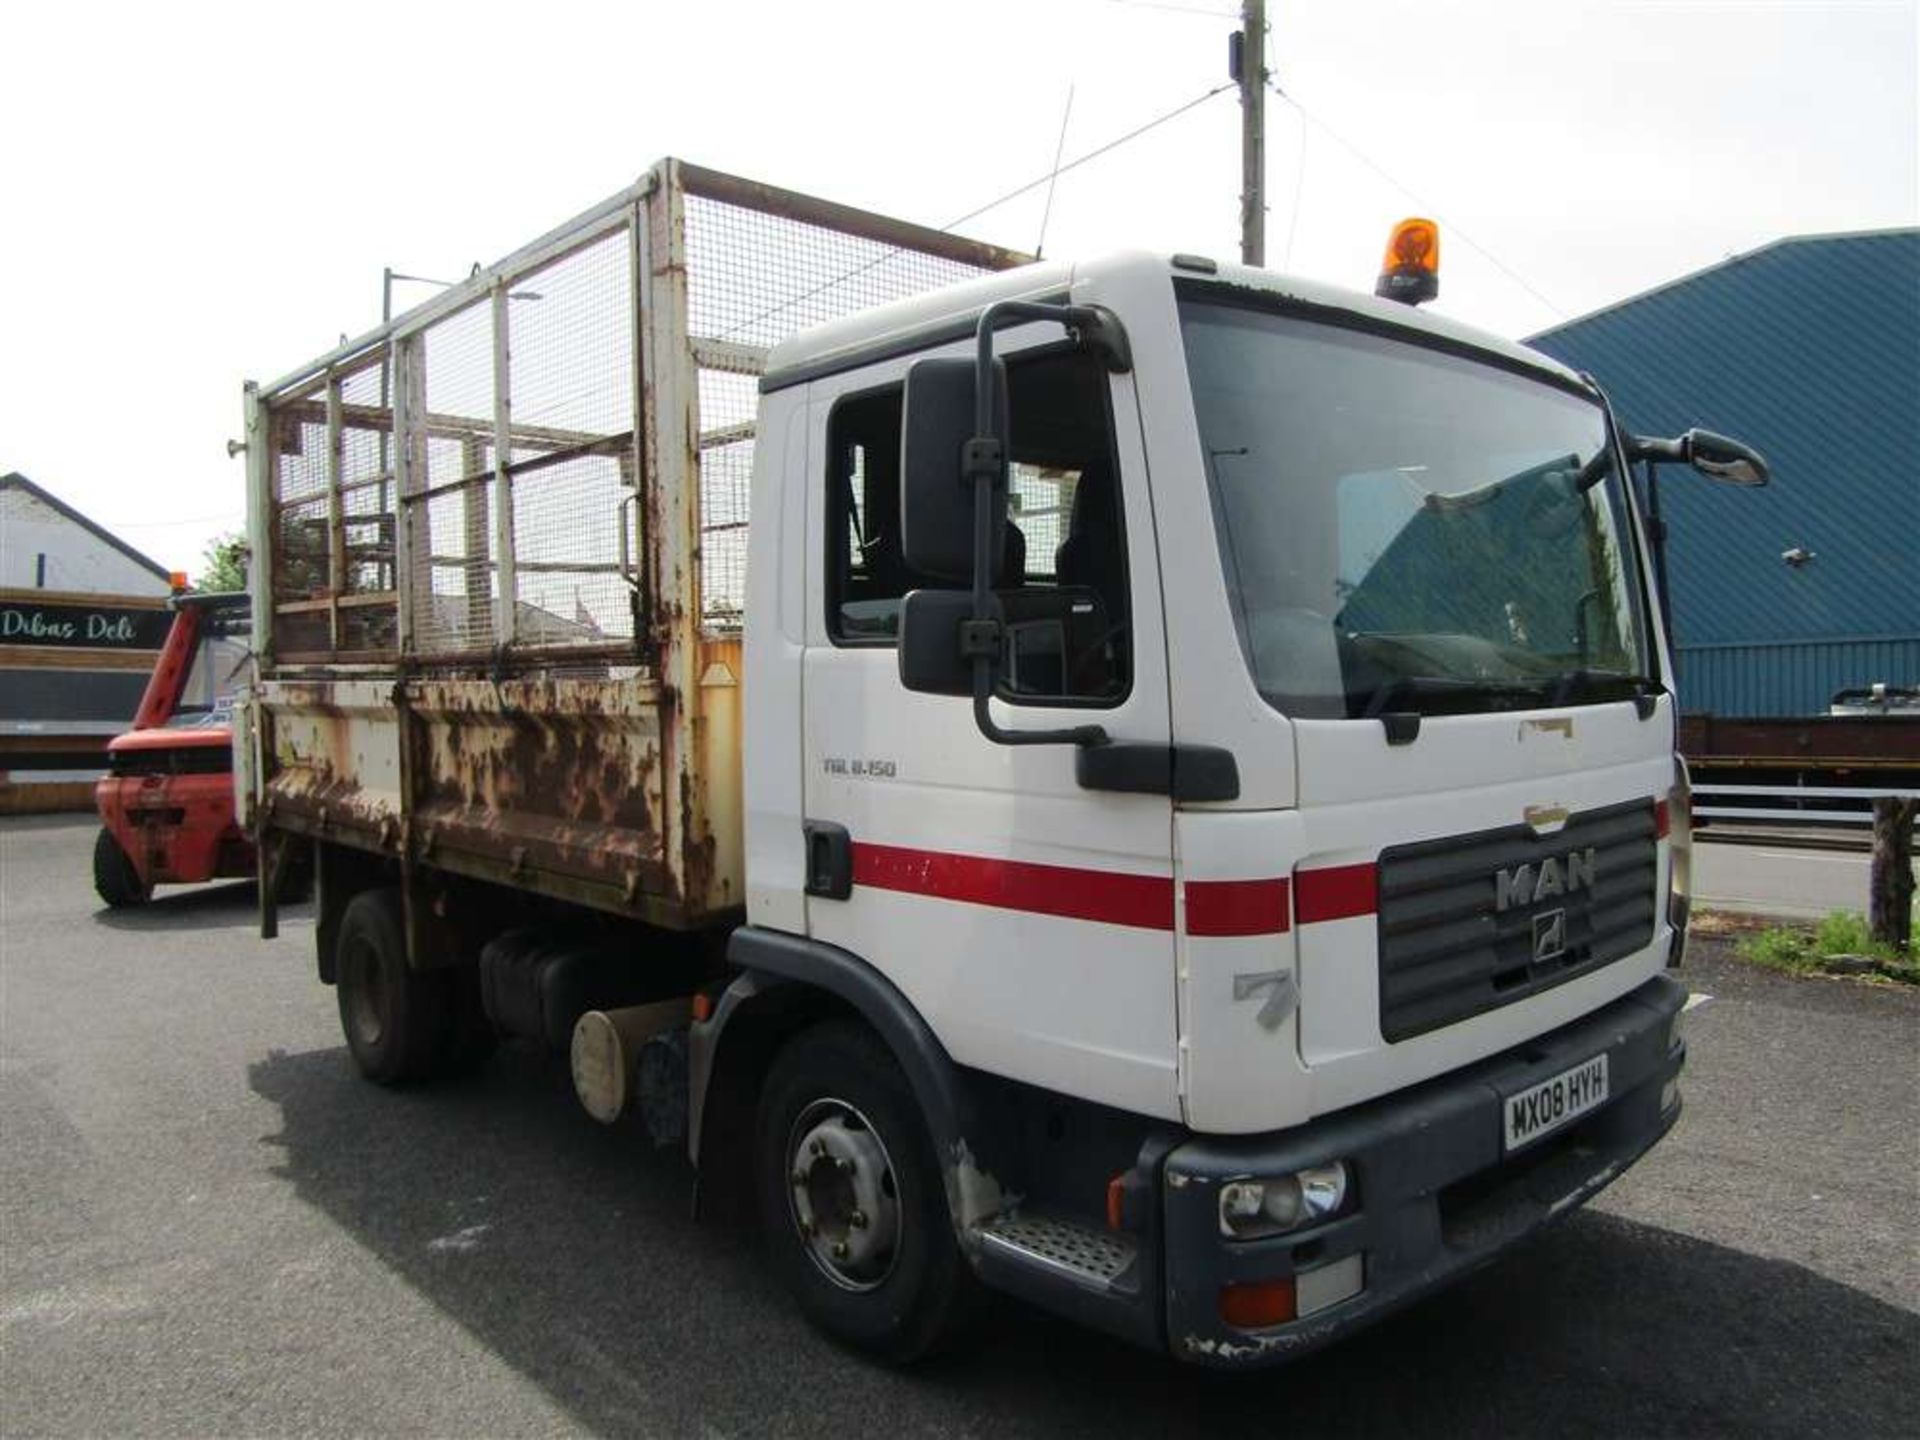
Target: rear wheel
115,879
851,1198
402,1024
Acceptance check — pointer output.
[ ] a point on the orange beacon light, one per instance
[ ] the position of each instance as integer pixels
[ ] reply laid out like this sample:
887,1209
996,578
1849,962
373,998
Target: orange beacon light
1410,270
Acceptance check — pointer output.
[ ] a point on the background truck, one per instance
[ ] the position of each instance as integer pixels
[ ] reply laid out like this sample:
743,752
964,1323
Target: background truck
166,802
1145,785
1811,771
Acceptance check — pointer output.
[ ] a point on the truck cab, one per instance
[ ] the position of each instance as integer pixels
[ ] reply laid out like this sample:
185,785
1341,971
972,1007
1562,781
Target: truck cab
1360,597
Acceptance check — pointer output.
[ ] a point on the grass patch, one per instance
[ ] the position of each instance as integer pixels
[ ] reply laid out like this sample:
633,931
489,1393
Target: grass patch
1838,945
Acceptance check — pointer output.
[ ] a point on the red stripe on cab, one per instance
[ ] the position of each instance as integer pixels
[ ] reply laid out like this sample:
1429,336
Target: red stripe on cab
1220,908
1144,902
1336,893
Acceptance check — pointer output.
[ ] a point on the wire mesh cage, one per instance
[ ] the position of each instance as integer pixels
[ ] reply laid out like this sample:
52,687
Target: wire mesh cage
573,340
333,523
452,579
757,273
483,457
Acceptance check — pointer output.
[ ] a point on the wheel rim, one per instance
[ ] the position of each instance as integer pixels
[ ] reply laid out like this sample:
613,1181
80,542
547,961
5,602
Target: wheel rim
843,1196
366,992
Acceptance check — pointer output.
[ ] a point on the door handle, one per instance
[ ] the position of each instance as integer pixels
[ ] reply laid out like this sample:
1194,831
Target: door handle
829,859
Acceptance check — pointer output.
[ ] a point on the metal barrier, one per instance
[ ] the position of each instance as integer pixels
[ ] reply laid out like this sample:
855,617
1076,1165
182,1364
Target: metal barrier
1843,805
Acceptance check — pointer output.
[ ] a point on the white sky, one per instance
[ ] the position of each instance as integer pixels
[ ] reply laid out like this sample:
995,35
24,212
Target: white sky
194,193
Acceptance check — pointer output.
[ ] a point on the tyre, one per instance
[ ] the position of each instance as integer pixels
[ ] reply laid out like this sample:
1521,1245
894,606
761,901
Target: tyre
398,1020
851,1200
114,878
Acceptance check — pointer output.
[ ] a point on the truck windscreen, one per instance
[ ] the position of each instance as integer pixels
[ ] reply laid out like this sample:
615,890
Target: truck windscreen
1404,529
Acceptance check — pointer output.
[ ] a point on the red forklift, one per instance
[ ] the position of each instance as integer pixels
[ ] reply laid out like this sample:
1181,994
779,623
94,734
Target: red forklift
166,802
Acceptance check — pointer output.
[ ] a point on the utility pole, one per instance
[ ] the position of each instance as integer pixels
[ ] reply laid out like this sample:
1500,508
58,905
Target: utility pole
1249,67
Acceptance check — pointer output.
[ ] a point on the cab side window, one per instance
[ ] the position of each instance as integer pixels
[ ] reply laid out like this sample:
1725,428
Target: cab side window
1063,588
866,573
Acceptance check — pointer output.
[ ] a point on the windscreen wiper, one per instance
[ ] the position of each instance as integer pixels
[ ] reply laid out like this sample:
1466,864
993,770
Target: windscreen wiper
1579,681
1407,691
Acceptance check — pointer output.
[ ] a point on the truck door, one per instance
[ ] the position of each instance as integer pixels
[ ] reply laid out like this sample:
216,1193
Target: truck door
1028,920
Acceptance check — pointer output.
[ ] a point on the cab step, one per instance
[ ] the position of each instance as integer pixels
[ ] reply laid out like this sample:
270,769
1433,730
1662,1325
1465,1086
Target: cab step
1087,1254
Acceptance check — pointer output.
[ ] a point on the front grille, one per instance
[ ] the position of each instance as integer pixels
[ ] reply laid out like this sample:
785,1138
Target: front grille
1447,951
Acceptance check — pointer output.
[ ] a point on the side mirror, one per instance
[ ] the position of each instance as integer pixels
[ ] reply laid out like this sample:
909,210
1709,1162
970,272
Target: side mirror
934,656
936,495
1719,458
1715,456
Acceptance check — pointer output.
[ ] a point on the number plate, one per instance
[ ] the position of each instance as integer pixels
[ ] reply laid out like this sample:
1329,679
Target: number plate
1542,1109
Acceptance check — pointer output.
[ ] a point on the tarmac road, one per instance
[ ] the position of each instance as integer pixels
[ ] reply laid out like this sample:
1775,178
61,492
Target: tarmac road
1767,879
208,1226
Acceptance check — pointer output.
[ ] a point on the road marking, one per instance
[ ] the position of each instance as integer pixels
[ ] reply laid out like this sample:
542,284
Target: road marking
460,1241
1694,1001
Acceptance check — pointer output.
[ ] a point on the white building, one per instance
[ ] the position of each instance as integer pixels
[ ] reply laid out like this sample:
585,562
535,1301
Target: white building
45,544
82,616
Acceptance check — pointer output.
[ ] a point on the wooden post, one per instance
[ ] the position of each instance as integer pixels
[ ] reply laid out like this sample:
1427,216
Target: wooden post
1253,132
1890,902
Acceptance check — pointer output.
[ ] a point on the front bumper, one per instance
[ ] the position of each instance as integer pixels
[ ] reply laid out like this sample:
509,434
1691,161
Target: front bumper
1435,1195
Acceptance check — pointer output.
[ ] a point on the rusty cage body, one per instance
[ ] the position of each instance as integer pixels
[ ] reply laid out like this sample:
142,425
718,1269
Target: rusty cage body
500,548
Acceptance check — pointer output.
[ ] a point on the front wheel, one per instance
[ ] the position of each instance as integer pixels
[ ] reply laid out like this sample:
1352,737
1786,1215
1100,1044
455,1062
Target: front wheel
115,879
851,1198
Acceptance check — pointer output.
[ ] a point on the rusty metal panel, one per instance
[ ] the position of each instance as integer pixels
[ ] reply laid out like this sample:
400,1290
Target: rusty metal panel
330,759
716,854
553,784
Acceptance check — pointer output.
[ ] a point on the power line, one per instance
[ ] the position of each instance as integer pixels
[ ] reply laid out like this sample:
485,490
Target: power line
1400,185
1075,164
224,517
1059,149
1177,9
1049,177
1299,188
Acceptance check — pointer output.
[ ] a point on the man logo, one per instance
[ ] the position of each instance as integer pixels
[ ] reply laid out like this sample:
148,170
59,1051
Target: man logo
1565,875
1549,935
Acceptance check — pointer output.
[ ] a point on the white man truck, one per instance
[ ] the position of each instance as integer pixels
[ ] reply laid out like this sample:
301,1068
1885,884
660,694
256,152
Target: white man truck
1146,785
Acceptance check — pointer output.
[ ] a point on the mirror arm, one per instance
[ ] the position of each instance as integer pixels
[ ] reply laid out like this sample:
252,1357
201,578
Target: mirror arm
983,464
980,638
1632,448
989,727
1093,326
1656,451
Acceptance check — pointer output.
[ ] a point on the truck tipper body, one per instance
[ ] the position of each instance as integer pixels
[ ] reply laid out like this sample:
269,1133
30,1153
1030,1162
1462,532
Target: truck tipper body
1187,832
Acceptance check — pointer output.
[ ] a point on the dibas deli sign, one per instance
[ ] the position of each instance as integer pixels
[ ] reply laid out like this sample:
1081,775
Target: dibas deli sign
82,626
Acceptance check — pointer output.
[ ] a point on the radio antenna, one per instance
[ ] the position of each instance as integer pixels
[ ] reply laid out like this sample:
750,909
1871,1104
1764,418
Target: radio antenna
1053,176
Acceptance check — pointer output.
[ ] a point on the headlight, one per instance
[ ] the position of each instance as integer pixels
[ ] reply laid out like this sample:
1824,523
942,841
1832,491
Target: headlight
1273,1205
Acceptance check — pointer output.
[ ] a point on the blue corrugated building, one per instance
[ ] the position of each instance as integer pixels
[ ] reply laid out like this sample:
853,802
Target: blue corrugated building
1809,350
